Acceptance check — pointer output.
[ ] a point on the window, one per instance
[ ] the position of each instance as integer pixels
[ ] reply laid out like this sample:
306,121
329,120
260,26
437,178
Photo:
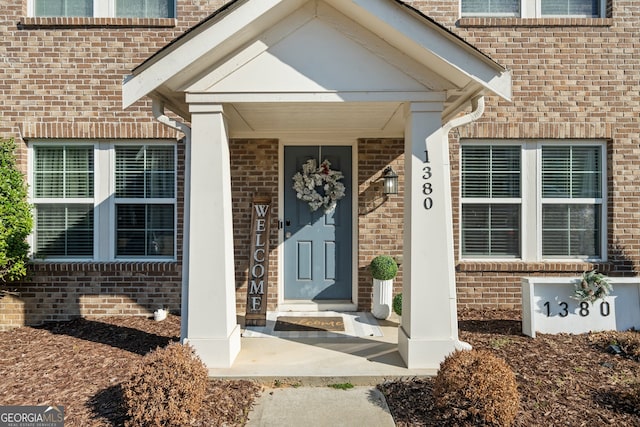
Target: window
63,197
145,8
586,8
506,213
490,7
103,8
534,8
63,8
78,216
145,194
571,202
491,201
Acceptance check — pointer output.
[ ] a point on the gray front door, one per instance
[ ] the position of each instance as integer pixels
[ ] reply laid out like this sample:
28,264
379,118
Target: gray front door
318,244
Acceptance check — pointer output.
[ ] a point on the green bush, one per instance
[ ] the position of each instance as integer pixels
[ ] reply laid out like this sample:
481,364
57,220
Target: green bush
167,389
383,267
15,214
397,304
476,388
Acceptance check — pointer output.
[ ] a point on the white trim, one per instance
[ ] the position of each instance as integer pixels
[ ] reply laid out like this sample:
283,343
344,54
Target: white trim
319,139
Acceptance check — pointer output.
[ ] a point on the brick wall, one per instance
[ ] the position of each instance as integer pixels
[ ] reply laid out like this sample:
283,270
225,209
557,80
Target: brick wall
576,78
61,78
64,291
380,218
254,172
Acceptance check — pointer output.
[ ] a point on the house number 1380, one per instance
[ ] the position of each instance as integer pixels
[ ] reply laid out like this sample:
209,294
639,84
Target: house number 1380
427,186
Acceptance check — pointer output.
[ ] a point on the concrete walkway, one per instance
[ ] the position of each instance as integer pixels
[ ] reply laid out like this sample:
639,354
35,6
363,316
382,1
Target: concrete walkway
320,406
322,361
296,373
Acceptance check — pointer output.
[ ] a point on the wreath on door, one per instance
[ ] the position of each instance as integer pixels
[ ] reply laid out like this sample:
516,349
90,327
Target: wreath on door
312,178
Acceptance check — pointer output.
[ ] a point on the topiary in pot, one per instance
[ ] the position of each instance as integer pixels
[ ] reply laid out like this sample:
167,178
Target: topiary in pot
166,389
474,387
383,269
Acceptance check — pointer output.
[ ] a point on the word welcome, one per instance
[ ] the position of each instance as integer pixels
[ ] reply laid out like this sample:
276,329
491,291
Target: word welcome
258,263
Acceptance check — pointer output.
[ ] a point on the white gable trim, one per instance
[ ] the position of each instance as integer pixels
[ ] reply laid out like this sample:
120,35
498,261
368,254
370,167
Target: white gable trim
423,40
424,44
231,28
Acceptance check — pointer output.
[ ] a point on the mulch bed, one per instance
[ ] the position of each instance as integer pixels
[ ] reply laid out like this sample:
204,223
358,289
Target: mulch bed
81,365
568,380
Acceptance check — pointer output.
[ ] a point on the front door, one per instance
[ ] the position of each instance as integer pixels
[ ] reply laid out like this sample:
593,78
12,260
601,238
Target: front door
317,243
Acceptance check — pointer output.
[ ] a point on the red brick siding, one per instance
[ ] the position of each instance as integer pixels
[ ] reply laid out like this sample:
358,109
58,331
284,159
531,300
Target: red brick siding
380,219
63,291
574,78
254,172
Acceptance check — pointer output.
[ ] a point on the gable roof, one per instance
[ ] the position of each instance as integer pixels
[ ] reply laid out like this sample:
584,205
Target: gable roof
399,29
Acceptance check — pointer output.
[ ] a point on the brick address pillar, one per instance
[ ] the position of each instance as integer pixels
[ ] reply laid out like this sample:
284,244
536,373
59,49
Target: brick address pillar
429,328
209,281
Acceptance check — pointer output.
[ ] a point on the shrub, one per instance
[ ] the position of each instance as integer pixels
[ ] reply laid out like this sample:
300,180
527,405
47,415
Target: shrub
477,388
383,267
167,388
397,304
15,212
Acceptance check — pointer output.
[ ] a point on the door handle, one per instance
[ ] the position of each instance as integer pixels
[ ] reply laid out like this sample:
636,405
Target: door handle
288,222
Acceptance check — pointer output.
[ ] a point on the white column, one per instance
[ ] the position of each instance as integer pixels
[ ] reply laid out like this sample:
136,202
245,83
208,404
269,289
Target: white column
429,328
210,309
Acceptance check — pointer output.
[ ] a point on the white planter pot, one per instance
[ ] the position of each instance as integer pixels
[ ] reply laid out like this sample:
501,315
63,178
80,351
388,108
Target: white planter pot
159,315
382,298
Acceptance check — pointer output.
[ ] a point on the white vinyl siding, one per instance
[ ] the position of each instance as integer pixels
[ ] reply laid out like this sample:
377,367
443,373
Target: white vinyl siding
537,200
534,8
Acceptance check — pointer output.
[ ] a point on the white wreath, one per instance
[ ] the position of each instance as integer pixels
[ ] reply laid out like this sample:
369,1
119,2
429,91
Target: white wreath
306,182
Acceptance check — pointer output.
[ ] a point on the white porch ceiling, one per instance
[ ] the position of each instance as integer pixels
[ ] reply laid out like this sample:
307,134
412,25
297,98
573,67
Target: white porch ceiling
366,118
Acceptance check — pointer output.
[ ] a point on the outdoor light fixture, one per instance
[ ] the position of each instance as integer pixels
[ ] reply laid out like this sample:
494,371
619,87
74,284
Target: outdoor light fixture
390,181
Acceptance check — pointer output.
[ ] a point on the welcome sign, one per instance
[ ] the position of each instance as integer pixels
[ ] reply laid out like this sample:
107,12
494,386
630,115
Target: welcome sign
256,314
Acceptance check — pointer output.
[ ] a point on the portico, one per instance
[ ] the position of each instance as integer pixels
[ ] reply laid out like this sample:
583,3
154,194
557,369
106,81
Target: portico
317,73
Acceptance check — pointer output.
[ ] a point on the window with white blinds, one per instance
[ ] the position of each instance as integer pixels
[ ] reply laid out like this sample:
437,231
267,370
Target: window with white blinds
534,8
145,8
63,196
129,214
145,201
491,199
103,8
571,201
586,8
491,7
63,7
535,200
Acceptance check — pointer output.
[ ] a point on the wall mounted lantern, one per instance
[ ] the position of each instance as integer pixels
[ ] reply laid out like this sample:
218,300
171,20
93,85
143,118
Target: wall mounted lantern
390,181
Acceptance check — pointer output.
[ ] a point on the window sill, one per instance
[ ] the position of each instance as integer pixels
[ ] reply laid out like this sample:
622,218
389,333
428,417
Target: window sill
534,22
548,267
65,21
